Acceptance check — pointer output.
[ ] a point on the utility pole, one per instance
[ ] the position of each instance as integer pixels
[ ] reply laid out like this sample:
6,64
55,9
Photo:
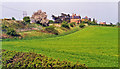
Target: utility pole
24,14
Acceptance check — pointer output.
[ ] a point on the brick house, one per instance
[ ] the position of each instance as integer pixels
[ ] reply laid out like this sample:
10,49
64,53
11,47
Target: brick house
75,18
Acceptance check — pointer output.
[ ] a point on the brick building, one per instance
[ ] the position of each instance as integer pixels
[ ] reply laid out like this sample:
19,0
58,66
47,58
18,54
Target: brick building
75,18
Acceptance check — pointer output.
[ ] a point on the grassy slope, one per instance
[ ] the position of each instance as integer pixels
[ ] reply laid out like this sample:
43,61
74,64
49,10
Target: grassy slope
93,46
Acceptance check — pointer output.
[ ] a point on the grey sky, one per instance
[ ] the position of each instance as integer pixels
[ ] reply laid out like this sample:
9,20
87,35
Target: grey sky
102,11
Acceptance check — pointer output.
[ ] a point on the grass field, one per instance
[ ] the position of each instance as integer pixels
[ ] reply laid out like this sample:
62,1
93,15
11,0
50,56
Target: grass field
93,46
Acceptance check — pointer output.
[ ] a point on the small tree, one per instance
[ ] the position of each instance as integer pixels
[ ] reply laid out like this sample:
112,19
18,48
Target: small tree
65,25
26,20
13,18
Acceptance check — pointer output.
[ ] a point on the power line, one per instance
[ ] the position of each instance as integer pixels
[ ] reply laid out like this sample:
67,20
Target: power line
11,8
24,12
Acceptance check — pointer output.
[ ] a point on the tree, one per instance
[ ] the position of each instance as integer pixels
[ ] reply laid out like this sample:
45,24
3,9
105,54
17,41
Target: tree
65,25
40,17
13,18
26,20
111,24
93,20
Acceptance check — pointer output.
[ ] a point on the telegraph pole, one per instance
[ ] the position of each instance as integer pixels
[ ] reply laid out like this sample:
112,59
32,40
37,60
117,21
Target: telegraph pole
24,14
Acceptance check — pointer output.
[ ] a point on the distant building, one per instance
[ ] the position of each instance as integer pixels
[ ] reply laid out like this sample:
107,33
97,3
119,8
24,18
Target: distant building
75,18
85,19
103,23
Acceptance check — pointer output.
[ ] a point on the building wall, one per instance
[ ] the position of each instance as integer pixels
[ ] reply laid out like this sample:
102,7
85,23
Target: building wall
75,20
102,22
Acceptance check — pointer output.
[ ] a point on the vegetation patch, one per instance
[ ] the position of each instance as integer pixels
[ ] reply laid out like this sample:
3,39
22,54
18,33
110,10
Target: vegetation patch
13,59
51,29
65,25
94,46
72,24
82,25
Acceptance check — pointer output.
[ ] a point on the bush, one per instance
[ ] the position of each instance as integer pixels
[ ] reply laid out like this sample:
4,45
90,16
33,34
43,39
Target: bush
72,24
65,25
11,32
51,21
92,23
13,18
51,29
26,20
4,26
65,22
81,25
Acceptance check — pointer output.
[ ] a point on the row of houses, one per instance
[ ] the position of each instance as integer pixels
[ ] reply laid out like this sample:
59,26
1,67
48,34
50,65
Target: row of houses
74,18
77,18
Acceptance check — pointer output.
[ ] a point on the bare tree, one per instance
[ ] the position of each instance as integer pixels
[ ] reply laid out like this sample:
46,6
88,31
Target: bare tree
40,18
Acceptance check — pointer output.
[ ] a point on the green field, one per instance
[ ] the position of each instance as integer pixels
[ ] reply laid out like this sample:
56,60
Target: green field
93,46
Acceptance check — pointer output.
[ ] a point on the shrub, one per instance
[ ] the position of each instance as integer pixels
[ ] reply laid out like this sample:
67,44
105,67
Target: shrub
11,32
51,29
65,25
26,20
81,25
4,26
92,23
65,22
51,21
13,18
72,24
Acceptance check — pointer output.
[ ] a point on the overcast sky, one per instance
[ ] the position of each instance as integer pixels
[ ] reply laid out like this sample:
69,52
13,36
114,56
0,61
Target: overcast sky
102,11
59,0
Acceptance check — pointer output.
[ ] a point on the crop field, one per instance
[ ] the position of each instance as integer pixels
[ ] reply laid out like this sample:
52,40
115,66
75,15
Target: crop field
92,46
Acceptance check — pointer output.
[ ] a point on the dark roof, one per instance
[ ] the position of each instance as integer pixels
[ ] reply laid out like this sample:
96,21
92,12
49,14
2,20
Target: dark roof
75,17
84,18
